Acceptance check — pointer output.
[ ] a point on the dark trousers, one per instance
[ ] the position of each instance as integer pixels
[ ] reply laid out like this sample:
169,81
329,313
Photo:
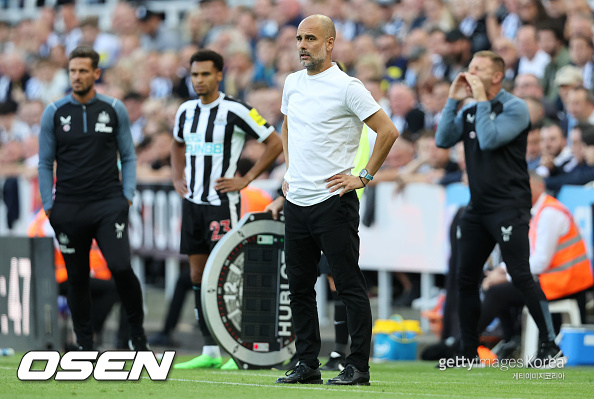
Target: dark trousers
478,235
75,225
506,302
332,227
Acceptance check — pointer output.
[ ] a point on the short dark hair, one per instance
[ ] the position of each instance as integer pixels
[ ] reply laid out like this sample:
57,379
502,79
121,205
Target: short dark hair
208,55
495,58
85,52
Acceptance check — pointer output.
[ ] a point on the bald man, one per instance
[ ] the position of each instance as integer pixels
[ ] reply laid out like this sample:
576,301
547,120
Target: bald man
324,113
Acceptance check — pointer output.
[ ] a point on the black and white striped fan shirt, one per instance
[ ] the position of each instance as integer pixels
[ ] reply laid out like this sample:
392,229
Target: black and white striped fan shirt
214,135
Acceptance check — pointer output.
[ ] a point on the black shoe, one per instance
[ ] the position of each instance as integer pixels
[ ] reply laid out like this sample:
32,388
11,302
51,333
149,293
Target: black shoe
549,356
335,363
506,349
301,374
350,376
138,343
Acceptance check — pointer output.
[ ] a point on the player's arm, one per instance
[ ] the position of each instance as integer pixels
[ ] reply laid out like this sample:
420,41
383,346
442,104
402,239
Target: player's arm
493,133
178,165
47,155
126,150
450,127
271,152
387,134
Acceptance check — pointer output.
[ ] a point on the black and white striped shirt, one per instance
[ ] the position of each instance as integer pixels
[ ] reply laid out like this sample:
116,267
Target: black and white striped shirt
214,135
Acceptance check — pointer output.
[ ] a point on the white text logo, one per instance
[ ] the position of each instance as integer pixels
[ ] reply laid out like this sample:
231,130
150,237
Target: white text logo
80,365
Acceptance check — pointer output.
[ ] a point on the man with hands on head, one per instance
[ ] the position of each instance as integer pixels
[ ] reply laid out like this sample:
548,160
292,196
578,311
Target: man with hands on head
494,129
324,112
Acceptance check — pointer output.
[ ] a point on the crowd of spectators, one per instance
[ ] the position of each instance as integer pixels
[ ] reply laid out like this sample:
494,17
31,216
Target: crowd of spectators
406,52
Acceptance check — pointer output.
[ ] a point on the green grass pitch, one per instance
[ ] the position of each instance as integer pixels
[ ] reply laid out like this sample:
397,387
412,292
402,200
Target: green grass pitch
388,380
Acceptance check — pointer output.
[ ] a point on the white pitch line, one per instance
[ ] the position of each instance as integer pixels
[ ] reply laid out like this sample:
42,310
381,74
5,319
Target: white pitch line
311,387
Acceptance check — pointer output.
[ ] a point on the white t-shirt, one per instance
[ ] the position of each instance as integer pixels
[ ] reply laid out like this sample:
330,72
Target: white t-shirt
324,117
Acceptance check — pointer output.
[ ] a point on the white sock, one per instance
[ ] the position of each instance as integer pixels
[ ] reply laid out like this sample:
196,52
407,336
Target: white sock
211,350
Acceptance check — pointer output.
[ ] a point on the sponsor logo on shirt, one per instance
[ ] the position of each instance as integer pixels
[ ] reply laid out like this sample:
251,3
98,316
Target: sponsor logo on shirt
103,128
65,122
103,117
257,117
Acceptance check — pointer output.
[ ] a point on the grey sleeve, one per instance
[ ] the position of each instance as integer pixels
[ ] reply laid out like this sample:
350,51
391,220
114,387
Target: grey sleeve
496,132
47,155
451,127
127,151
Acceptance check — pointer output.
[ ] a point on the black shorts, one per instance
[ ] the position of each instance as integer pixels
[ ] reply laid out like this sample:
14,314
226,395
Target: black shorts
204,225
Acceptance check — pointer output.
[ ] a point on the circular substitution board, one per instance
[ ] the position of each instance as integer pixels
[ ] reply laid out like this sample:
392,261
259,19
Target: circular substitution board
245,293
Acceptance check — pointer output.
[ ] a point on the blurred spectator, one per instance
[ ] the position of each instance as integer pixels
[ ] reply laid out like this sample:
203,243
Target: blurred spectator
166,77
580,104
581,51
535,110
580,24
550,40
15,80
528,86
532,59
71,35
288,12
30,113
265,63
107,45
505,49
474,24
459,54
51,80
376,88
431,165
372,22
554,153
434,99
215,15
11,127
533,149
239,70
153,162
370,67
404,111
124,21
437,16
567,78
390,50
580,173
531,11
502,19
133,102
155,36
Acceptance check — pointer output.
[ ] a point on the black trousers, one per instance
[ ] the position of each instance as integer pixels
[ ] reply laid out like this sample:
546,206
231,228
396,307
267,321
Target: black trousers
75,225
332,227
477,237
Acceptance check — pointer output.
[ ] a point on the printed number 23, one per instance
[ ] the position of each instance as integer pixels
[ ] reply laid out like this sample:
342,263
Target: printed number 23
216,227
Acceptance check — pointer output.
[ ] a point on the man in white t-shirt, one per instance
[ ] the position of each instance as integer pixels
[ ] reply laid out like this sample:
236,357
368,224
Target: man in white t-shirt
324,112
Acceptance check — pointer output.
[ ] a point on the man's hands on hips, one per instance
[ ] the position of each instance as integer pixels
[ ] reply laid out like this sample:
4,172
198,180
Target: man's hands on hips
345,183
180,186
226,185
